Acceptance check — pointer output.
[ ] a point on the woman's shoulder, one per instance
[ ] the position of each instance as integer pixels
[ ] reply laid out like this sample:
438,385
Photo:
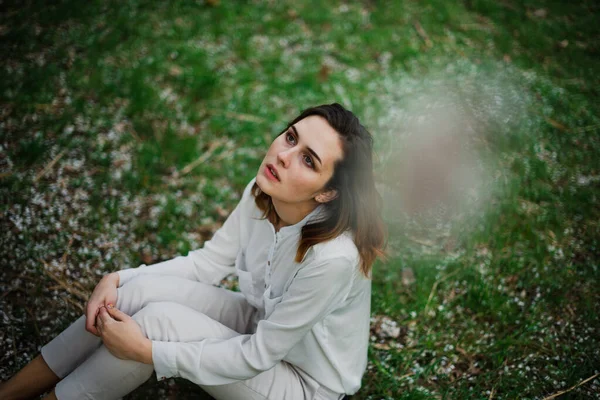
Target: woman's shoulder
340,247
247,200
340,254
248,189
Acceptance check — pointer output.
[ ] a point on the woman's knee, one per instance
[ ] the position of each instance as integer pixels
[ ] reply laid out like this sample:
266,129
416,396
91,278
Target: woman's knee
136,293
168,321
154,319
154,309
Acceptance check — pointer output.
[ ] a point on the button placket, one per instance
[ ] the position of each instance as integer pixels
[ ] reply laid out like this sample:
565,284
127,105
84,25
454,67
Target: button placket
268,274
272,251
269,258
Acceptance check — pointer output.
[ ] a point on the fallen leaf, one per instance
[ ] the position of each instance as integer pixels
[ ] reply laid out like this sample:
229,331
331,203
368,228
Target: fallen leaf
556,124
175,71
324,73
511,279
423,34
381,346
120,127
223,213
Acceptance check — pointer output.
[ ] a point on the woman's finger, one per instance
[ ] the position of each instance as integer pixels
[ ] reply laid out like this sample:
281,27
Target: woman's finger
117,314
99,325
90,320
104,316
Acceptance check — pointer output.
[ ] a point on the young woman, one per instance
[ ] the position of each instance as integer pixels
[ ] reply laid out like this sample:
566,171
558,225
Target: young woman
302,241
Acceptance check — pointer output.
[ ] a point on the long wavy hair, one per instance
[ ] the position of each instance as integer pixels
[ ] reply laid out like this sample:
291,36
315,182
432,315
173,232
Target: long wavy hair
357,205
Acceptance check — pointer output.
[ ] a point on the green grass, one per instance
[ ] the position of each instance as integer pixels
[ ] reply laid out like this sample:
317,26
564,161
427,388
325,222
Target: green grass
117,99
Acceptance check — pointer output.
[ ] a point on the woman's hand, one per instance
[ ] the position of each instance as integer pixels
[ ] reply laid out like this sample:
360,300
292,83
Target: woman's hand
104,293
122,336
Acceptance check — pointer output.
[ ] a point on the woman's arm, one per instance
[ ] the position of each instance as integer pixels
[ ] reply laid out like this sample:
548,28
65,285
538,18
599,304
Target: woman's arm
209,264
315,292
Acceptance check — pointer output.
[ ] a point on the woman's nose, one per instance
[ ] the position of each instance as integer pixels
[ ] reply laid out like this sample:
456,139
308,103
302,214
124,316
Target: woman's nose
284,157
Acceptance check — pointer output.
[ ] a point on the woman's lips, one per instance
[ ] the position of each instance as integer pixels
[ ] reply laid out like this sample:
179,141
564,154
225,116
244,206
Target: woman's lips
269,174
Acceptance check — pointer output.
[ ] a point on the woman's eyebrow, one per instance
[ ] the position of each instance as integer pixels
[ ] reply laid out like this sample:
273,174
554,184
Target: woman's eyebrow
311,151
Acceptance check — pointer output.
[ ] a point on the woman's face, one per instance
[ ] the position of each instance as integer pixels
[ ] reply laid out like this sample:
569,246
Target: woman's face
300,161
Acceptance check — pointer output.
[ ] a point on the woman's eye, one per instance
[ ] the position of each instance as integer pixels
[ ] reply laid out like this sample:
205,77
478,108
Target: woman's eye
290,138
308,161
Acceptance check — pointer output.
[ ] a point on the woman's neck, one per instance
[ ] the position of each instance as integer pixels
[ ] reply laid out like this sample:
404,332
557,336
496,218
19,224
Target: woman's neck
291,213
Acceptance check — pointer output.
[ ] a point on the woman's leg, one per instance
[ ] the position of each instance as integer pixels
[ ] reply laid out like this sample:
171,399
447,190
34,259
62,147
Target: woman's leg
59,357
280,382
70,348
24,387
103,376
229,308
74,345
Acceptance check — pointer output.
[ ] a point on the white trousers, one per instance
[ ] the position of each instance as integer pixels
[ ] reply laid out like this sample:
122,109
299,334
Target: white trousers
169,309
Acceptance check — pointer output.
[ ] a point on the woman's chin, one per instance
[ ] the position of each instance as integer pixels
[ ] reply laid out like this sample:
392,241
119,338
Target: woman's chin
263,183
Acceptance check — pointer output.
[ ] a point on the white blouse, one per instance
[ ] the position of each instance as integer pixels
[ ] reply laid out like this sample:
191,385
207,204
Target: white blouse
314,314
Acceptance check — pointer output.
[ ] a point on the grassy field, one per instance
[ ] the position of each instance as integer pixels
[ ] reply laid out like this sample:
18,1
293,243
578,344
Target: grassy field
128,130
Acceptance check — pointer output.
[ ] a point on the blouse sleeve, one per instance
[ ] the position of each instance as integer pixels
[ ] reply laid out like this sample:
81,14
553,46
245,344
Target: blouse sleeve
315,292
209,264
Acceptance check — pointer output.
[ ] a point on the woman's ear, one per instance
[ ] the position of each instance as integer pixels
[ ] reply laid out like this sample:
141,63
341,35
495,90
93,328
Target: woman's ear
326,196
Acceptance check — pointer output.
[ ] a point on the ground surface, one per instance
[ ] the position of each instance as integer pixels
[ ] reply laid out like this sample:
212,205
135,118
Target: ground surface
128,130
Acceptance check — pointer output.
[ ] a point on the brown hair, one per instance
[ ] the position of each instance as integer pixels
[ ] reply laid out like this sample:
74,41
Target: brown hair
357,205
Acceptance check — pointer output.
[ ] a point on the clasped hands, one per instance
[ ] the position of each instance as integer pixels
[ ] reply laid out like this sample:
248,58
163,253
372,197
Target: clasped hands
120,333
122,336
